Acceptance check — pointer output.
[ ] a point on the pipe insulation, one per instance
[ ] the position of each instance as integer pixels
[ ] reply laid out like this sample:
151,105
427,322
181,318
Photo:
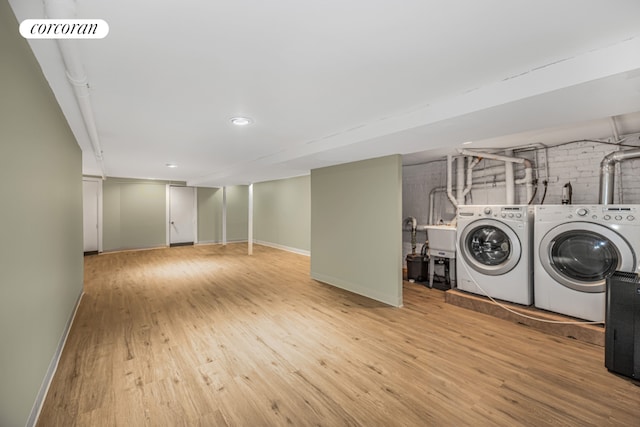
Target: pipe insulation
617,140
432,199
449,179
492,156
460,180
471,163
510,160
66,9
608,171
509,178
614,130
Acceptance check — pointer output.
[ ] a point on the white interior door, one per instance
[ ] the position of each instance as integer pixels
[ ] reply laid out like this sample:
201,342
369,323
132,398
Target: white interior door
181,215
90,215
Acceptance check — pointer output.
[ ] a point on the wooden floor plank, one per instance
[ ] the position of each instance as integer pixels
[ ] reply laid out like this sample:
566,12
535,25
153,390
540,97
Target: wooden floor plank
208,336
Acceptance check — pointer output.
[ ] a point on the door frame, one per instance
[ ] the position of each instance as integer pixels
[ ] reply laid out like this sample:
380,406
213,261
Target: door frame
99,181
168,213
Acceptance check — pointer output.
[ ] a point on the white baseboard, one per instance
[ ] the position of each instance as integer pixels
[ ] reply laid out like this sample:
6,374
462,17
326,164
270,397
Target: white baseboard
53,366
284,248
389,299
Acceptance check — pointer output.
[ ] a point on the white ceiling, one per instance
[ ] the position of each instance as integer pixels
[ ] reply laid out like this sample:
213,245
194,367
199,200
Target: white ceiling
328,82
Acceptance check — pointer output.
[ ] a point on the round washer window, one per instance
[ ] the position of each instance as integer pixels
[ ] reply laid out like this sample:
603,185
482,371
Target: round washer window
585,256
489,245
581,255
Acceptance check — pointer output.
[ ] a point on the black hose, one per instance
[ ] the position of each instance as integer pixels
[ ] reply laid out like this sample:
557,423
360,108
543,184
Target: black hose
546,183
535,191
423,251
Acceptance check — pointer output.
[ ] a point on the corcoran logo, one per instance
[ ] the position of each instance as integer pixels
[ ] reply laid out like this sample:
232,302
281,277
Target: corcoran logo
64,29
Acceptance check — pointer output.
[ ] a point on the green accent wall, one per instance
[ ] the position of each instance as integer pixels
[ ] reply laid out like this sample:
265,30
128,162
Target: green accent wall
237,213
356,227
41,262
209,215
282,213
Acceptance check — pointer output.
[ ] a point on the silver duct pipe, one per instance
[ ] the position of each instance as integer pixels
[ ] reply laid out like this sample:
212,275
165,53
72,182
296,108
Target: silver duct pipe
608,172
617,140
65,9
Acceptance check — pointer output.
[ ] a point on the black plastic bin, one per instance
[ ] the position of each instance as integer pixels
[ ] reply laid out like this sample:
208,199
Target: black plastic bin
417,267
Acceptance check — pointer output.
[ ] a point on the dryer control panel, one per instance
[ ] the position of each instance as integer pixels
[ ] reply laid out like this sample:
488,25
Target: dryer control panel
603,214
618,214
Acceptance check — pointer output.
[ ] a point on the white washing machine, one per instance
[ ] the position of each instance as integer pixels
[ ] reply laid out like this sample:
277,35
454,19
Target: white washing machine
494,251
579,246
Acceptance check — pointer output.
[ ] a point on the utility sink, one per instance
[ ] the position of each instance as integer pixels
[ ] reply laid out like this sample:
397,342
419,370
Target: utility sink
442,244
442,238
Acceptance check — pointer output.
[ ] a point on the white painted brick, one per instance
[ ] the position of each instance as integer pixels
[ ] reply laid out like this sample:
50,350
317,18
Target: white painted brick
577,163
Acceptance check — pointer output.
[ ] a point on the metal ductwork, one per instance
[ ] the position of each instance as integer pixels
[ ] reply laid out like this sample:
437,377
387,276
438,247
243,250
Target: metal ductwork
608,171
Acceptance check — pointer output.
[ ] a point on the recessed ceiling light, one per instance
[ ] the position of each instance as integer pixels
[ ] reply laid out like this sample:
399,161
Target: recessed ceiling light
467,142
171,165
241,121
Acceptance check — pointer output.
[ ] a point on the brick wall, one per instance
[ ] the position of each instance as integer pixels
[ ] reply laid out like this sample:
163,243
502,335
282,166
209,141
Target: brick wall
577,163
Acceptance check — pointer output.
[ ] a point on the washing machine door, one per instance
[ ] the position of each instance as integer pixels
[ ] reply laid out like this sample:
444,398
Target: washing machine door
490,247
581,255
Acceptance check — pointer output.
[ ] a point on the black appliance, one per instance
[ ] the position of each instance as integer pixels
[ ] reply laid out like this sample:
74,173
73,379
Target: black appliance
622,324
417,267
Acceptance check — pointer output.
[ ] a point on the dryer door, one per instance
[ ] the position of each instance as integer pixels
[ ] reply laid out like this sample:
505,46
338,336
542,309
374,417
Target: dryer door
581,255
490,247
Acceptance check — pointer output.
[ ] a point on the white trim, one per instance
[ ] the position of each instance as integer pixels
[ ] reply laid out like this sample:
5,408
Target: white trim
284,248
100,208
224,215
392,300
146,248
250,221
195,215
53,367
168,215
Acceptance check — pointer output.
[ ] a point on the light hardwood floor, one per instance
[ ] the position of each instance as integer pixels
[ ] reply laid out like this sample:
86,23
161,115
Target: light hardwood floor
208,336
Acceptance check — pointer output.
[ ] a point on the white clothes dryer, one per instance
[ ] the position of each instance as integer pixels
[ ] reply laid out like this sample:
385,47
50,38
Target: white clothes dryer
494,251
579,246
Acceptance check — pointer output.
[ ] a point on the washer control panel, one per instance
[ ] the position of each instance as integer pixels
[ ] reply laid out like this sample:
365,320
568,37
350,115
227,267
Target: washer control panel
507,212
607,214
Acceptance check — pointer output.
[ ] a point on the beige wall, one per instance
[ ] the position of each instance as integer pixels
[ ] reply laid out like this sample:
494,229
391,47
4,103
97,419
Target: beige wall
209,215
237,213
356,233
41,263
134,213
282,213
